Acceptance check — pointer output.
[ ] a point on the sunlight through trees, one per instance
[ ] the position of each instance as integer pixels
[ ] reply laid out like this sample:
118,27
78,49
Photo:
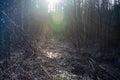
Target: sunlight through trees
59,39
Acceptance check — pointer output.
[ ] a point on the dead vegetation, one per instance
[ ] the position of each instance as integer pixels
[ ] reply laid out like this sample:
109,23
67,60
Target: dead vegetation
87,50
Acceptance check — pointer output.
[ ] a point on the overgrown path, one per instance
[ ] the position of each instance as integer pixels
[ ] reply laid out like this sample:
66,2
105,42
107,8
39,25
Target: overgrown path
55,59
49,61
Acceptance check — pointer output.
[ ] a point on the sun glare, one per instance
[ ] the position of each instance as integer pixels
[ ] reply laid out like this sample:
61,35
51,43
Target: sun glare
52,4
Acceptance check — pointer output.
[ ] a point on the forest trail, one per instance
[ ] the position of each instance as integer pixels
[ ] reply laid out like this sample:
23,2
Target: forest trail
55,59
51,61
59,61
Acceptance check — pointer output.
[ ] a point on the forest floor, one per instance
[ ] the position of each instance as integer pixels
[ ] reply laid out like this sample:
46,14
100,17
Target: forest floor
52,60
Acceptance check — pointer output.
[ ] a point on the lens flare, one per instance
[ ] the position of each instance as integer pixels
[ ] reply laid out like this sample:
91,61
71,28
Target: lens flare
58,21
58,17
